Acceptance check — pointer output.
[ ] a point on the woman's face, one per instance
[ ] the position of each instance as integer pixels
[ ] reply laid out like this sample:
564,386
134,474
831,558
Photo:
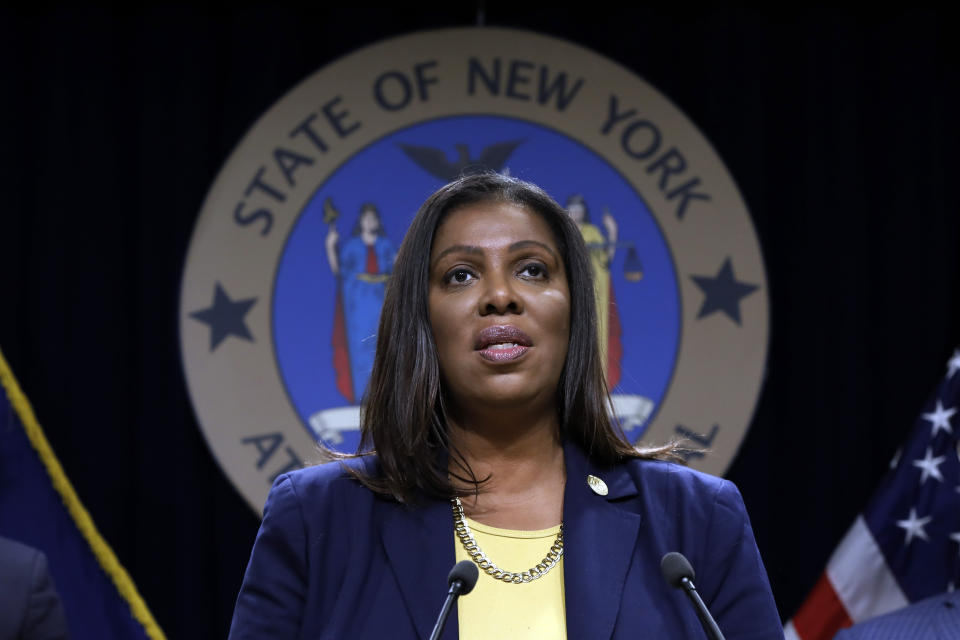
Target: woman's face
577,211
369,221
499,307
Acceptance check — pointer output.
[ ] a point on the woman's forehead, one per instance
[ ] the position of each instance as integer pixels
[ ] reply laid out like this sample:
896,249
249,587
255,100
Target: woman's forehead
490,224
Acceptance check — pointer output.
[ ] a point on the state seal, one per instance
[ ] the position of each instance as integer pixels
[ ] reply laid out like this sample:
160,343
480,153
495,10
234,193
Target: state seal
295,242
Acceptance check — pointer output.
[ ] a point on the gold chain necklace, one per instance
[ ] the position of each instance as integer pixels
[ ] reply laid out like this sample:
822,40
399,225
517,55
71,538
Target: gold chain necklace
477,555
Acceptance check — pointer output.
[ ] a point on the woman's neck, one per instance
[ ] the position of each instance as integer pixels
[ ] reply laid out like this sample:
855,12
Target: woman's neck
524,464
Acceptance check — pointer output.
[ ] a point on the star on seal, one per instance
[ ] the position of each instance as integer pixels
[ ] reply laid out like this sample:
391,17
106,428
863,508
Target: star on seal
225,317
723,292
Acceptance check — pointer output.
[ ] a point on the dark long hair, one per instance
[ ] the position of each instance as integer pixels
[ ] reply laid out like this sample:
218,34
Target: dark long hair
403,419
358,225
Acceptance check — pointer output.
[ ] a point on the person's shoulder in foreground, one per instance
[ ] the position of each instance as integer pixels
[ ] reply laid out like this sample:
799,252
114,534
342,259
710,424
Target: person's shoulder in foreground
935,618
29,605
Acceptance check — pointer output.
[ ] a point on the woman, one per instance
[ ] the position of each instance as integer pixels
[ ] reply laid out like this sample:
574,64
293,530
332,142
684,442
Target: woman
363,267
601,251
487,399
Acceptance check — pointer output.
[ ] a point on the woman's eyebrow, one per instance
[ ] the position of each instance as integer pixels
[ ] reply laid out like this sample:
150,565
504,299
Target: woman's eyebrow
516,246
461,248
523,244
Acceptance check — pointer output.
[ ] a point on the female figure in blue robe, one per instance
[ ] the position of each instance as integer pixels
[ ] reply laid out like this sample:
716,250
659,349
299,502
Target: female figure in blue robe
363,263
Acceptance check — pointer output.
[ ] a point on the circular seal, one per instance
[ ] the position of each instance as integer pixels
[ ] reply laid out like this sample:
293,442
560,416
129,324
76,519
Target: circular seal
295,243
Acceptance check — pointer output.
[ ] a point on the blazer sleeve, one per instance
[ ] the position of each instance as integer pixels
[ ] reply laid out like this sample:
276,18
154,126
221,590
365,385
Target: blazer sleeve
45,618
274,590
735,585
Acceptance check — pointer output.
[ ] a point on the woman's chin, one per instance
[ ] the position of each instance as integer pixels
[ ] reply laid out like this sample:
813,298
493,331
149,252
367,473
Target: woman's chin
508,397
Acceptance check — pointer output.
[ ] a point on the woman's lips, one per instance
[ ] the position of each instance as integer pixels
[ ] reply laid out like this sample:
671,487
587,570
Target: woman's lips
502,351
502,342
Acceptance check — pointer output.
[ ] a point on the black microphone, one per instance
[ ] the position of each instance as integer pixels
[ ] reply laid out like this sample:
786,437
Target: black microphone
462,579
678,573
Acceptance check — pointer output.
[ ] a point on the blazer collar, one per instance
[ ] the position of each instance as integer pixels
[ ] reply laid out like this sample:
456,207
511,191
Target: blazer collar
419,543
599,539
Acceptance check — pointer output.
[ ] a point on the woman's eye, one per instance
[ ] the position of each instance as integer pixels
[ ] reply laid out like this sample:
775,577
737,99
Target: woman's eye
460,276
533,271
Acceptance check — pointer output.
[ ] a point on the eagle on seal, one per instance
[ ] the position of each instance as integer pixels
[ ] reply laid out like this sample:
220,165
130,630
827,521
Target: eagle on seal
435,161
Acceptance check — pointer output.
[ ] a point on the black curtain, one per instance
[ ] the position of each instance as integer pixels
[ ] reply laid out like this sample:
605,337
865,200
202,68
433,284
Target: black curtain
839,127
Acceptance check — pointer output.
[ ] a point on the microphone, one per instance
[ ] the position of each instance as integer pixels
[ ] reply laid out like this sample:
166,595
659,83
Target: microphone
678,573
462,579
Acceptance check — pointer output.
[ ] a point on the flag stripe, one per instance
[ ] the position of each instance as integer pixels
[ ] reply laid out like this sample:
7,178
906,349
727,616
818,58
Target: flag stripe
81,518
789,633
822,613
861,577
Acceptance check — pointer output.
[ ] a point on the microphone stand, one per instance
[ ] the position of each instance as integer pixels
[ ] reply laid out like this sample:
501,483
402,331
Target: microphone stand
456,588
709,624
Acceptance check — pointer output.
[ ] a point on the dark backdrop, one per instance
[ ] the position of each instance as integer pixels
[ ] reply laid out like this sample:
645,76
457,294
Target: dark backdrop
840,128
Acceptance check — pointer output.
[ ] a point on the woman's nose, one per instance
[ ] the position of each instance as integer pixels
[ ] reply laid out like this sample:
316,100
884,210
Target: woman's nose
500,295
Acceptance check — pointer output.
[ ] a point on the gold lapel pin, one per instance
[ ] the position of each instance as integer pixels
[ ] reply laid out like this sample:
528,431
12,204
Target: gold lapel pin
599,486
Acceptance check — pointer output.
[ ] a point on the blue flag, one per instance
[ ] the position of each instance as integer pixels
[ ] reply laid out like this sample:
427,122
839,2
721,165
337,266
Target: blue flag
39,508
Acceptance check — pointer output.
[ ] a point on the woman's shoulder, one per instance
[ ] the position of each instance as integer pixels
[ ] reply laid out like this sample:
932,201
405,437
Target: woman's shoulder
353,245
679,482
671,472
590,232
327,483
696,511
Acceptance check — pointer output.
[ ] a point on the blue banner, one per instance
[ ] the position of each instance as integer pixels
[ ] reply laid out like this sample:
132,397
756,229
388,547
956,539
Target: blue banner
40,509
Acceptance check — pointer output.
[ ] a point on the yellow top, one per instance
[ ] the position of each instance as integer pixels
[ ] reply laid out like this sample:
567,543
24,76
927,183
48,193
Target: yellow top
496,610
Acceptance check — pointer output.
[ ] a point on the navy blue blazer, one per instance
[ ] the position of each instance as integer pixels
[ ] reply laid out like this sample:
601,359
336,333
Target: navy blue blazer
334,560
30,608
936,618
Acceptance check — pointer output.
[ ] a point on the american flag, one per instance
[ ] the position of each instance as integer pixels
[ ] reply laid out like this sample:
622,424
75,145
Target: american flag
905,546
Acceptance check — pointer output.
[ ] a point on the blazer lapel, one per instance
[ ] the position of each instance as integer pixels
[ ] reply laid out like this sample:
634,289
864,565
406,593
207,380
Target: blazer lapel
419,543
599,540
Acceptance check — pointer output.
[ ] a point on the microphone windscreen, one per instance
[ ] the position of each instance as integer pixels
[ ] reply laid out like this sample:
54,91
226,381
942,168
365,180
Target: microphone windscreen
466,572
675,567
